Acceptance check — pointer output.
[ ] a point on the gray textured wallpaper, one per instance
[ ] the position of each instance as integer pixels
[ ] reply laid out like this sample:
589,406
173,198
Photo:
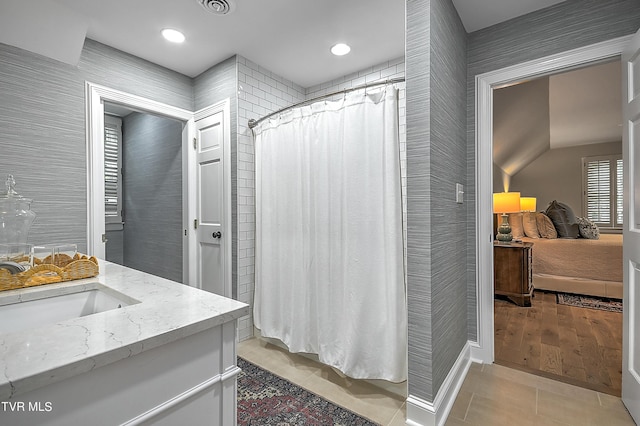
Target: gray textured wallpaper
152,189
436,244
568,25
42,127
448,167
418,83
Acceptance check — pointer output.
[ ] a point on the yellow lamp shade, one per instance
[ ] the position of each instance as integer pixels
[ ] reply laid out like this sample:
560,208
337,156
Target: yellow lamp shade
528,204
506,202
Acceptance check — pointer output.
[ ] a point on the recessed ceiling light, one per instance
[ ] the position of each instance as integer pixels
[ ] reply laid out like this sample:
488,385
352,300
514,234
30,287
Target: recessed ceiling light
173,36
340,49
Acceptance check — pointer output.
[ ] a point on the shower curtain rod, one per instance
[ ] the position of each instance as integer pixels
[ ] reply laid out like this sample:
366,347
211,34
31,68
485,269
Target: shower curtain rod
253,123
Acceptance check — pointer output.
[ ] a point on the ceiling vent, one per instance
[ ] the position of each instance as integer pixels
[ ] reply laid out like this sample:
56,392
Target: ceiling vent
218,7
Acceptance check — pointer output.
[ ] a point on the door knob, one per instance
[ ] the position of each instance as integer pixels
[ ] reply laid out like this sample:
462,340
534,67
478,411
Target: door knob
217,234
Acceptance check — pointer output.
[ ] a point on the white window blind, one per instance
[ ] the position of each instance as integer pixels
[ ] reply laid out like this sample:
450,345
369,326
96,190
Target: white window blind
603,190
112,169
619,199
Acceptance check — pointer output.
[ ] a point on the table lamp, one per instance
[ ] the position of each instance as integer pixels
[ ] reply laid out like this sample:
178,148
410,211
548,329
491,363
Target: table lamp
503,203
527,204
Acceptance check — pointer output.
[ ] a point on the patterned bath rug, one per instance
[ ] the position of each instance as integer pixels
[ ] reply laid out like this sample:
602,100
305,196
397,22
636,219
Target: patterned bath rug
265,399
604,304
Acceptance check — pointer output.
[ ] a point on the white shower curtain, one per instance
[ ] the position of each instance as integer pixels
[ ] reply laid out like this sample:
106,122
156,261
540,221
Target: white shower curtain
329,249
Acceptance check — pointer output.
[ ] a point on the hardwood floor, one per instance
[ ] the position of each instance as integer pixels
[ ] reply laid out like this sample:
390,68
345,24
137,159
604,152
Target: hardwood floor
574,345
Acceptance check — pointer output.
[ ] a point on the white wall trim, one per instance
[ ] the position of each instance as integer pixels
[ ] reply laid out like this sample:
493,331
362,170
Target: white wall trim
96,96
485,83
212,109
476,353
425,413
188,194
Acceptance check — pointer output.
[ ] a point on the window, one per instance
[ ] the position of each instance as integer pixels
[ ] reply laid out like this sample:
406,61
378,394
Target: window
603,190
113,172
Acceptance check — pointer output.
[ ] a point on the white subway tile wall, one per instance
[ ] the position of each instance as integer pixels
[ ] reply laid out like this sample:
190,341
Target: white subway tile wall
260,92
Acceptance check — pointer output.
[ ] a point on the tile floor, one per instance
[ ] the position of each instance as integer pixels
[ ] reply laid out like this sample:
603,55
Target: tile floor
490,395
495,395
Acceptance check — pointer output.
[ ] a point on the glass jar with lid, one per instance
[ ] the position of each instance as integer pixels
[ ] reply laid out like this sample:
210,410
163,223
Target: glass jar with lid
16,216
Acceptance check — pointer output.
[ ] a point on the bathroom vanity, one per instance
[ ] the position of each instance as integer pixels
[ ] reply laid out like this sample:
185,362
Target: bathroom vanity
124,347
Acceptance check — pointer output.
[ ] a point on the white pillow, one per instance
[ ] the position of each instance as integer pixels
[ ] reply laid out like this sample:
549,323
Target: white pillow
588,229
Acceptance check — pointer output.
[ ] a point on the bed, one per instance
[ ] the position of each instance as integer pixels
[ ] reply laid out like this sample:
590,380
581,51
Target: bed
581,266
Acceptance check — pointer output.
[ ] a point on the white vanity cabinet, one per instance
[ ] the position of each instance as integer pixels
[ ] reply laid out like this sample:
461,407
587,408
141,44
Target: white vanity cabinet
168,360
190,381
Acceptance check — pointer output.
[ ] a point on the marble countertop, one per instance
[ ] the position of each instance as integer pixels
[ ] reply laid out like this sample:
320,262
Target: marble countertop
167,311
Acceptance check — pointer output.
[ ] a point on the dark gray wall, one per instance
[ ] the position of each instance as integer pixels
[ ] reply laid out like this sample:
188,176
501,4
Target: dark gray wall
214,85
568,25
114,248
42,127
152,189
557,175
436,145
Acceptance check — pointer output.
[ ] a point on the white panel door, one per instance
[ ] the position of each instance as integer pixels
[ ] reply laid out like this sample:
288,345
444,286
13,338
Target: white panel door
631,248
210,204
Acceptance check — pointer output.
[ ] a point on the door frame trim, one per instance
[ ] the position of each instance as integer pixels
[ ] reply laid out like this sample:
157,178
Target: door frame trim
483,348
96,96
630,368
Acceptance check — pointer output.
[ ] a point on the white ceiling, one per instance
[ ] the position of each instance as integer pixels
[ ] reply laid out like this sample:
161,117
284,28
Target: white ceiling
288,37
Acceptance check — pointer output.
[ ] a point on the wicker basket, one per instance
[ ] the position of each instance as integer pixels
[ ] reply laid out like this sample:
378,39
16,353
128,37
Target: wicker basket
65,268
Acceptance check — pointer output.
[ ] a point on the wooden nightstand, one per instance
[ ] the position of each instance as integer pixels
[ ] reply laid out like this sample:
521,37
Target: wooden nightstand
512,275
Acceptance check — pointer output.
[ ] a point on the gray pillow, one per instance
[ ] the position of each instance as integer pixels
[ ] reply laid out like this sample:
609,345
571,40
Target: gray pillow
588,229
563,219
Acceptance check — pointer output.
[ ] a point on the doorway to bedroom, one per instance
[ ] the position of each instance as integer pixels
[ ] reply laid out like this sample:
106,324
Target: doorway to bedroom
557,140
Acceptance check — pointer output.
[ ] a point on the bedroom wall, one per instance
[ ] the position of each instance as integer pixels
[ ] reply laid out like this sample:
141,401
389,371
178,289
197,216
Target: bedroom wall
557,175
565,26
520,126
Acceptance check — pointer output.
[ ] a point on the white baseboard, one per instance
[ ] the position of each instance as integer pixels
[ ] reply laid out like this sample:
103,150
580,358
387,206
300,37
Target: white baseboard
479,354
420,412
425,413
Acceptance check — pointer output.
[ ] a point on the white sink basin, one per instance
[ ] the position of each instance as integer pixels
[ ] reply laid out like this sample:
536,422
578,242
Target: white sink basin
45,307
